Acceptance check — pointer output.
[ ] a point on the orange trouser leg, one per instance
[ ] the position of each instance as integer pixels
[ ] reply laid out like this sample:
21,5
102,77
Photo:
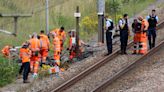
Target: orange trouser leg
136,40
32,66
143,44
57,57
36,67
44,54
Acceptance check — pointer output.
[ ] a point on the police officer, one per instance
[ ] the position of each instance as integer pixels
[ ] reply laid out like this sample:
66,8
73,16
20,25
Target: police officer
109,28
153,20
124,32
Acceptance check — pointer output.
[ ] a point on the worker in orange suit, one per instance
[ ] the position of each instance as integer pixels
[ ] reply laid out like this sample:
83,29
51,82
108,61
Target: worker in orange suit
45,45
6,51
72,45
25,55
136,28
57,49
35,58
62,36
143,37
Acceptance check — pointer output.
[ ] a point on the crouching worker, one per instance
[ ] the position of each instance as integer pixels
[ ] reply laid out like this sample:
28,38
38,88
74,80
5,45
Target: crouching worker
6,51
25,55
72,45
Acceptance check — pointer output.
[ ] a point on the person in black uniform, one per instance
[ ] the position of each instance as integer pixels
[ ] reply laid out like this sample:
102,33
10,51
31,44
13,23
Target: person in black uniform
109,28
124,33
153,20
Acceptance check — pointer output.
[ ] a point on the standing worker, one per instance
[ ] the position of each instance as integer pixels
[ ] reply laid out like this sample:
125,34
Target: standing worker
109,28
124,33
44,45
25,55
153,20
143,35
136,28
35,59
62,36
57,49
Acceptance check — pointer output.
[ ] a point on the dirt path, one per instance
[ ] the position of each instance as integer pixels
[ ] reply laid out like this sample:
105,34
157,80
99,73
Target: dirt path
74,69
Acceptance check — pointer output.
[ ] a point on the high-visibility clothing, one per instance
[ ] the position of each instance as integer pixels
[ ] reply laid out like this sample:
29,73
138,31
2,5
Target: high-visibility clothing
5,51
143,38
44,42
137,35
34,44
44,45
61,35
143,43
35,58
144,25
57,49
25,55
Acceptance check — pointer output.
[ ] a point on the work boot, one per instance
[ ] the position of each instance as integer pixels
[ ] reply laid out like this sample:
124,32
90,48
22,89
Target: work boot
19,76
35,75
26,81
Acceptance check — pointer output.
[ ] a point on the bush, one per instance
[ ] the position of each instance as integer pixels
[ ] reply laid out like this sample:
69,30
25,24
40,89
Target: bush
88,25
8,71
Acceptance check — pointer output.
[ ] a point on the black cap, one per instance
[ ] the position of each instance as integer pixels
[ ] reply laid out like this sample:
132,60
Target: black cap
62,28
125,15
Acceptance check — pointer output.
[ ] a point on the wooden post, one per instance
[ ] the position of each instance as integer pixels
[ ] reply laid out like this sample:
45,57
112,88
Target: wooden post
15,16
77,15
101,11
15,26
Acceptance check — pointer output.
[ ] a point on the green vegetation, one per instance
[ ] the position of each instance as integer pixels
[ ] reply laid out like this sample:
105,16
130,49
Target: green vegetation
116,8
8,71
61,14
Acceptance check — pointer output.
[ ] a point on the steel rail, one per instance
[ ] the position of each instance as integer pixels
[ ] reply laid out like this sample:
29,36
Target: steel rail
127,68
97,65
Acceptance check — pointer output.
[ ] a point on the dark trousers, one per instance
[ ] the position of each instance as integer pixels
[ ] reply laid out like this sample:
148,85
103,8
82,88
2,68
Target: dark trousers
109,41
21,69
26,69
151,36
124,40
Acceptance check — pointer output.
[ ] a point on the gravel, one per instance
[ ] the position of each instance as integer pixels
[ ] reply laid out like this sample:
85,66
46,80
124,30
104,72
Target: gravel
51,82
148,77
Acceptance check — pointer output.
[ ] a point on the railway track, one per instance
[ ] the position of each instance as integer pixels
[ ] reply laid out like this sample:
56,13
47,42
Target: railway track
100,71
126,69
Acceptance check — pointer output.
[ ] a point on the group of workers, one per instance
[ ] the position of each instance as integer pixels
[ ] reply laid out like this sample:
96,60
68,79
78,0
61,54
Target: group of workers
34,52
144,31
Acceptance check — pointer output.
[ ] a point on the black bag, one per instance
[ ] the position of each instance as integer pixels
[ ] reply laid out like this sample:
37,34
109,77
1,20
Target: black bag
112,25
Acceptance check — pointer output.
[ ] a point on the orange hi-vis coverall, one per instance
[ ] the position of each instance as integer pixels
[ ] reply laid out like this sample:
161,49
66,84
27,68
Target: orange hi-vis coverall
35,58
62,37
72,47
25,55
136,27
143,37
6,51
44,44
57,49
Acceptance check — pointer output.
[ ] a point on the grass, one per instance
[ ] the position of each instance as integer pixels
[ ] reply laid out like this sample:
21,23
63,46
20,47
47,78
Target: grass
61,14
8,71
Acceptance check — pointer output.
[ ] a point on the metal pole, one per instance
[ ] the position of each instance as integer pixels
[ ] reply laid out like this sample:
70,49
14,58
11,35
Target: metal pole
47,17
15,25
77,31
101,10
